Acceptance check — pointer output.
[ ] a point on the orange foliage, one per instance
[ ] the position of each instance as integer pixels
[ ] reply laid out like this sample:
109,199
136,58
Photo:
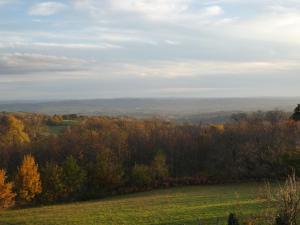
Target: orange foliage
28,180
7,196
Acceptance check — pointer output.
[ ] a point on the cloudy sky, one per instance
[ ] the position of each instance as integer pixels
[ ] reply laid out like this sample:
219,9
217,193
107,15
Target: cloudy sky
149,48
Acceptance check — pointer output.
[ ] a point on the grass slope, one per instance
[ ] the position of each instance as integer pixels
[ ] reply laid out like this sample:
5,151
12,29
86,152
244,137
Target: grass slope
174,206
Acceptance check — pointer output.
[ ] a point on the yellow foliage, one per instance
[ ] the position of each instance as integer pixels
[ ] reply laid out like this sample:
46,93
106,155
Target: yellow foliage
28,180
12,131
218,127
7,196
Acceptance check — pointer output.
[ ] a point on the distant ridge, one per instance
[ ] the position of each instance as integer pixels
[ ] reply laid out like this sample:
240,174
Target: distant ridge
148,106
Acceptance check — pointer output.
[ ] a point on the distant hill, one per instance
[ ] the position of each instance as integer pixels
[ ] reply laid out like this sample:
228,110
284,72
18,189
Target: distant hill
165,107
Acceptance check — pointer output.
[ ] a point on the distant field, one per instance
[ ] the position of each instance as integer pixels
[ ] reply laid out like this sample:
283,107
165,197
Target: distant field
174,206
56,129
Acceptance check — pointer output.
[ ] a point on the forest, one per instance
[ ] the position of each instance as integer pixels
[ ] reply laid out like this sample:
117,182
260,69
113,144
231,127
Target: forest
61,158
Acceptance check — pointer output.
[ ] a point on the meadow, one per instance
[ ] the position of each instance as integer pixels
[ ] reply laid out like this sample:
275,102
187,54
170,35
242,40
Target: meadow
183,205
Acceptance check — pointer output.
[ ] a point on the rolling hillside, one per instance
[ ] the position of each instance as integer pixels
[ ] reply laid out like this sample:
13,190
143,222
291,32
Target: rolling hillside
174,206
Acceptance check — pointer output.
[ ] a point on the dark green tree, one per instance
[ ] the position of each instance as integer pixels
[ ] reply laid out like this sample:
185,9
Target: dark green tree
52,183
73,177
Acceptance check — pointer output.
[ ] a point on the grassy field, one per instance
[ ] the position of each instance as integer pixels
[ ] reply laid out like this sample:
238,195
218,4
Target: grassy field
173,206
59,128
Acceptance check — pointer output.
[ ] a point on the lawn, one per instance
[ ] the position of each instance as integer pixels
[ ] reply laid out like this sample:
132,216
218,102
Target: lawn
173,206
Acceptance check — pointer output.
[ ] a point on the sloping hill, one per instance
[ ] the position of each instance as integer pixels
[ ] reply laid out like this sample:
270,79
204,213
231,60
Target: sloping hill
174,206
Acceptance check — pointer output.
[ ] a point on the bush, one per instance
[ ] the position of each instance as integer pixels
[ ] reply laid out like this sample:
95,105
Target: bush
288,199
286,202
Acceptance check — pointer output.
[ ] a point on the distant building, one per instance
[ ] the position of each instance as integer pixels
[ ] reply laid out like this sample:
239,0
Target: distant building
296,115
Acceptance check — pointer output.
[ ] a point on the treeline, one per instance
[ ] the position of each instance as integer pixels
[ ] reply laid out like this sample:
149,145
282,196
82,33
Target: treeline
100,156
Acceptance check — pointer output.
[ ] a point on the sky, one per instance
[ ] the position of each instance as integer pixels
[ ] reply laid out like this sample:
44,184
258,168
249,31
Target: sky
79,49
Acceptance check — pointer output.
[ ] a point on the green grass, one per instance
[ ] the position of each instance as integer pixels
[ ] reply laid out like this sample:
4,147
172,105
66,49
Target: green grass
173,206
69,122
59,128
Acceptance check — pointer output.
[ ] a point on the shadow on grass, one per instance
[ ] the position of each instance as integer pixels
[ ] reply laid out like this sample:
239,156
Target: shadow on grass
197,221
9,223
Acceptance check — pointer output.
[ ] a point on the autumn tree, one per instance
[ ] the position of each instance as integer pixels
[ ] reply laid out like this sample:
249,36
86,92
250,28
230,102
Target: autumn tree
12,131
7,196
28,181
35,125
159,167
106,173
141,176
54,120
117,153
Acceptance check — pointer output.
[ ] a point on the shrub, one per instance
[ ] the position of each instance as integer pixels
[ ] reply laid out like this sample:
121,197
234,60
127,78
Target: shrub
286,202
288,199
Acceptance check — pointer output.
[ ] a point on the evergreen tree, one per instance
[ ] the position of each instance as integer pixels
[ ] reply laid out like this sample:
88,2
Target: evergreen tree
28,180
52,183
7,196
73,176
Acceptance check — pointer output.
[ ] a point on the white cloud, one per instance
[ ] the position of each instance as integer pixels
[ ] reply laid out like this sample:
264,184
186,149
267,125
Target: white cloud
194,68
171,42
20,63
91,38
46,8
276,25
75,46
260,3
213,11
154,9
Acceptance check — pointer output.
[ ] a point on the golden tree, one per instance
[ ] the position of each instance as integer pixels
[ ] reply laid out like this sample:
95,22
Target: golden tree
12,131
28,180
7,196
